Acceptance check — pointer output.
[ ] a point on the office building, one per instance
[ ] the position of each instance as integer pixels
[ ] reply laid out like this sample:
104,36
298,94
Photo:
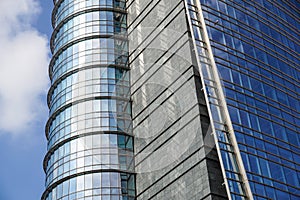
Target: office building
90,145
181,99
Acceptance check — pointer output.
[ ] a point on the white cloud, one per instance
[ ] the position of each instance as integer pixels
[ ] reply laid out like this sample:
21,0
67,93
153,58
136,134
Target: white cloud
23,67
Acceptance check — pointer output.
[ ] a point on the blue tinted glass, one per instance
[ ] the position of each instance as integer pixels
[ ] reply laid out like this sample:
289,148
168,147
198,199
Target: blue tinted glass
261,83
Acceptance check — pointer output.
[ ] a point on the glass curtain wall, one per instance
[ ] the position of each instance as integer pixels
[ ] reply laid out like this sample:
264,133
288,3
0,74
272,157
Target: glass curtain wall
234,174
89,131
256,49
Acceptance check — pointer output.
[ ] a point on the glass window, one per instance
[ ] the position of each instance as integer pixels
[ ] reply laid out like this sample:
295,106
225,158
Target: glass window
291,177
80,183
293,138
281,195
264,167
105,179
254,164
104,105
112,105
59,190
105,140
65,188
88,181
276,171
113,140
96,180
96,141
271,148
234,114
244,118
96,105
266,126
114,180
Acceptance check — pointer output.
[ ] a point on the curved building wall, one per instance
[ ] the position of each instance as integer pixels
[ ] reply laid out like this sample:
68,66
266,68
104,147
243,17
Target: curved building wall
89,131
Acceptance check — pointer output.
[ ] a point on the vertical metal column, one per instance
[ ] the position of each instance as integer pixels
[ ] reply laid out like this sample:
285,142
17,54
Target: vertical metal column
226,144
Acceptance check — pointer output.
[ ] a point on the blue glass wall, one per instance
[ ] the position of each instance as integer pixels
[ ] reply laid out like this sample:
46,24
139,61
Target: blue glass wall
89,131
256,48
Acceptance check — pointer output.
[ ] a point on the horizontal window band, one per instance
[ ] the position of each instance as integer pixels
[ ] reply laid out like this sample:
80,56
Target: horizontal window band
97,34
96,95
93,64
86,9
57,28
49,188
274,180
53,140
76,70
56,146
61,109
71,43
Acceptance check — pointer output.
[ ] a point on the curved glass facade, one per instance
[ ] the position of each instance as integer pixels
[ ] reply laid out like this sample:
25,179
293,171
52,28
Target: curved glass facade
104,81
88,24
89,131
87,53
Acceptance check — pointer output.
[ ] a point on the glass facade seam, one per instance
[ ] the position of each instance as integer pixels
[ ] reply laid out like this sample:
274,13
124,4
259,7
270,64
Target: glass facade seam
229,155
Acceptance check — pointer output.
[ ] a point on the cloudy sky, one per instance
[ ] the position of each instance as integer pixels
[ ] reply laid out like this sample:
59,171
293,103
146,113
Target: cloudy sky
24,56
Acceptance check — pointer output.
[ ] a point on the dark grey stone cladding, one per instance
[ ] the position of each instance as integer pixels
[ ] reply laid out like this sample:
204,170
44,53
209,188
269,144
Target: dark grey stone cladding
175,153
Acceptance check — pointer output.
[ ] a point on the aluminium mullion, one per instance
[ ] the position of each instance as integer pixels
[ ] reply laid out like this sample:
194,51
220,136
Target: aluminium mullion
207,102
224,114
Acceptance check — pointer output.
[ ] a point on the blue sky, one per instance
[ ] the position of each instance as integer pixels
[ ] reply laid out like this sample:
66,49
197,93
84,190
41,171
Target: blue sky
24,56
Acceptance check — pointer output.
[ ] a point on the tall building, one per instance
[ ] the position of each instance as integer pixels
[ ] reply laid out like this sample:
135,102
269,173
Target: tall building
89,131
181,99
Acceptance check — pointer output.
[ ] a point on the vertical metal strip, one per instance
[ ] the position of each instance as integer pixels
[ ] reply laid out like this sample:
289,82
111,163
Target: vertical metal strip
222,101
207,102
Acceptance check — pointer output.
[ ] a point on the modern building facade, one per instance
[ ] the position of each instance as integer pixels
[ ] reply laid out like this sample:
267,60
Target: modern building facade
181,99
255,45
89,131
